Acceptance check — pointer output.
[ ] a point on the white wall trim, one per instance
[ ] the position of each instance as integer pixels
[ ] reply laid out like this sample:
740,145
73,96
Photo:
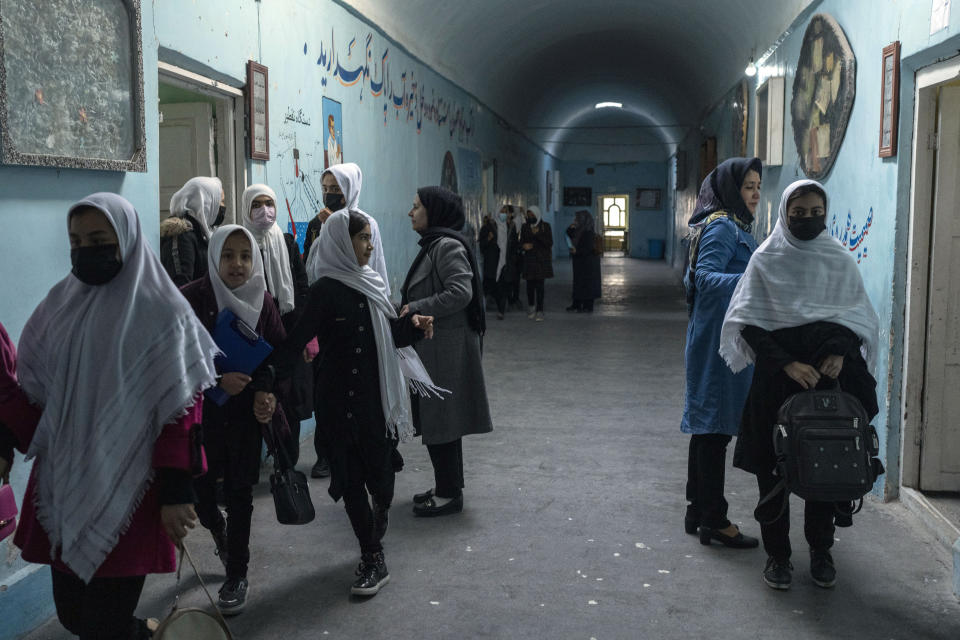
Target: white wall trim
938,73
195,80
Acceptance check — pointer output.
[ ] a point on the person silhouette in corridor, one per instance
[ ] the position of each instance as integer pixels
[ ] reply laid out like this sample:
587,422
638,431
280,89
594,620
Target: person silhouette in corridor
719,253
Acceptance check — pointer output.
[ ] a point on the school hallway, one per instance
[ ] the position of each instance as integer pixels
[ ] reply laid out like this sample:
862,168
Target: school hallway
572,526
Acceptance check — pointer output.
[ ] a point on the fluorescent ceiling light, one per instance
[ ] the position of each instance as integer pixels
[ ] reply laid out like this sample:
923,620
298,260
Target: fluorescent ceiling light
604,105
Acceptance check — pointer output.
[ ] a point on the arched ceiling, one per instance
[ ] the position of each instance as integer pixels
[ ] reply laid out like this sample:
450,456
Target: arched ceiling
545,63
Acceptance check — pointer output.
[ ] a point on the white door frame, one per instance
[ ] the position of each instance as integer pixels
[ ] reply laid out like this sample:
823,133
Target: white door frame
232,146
918,263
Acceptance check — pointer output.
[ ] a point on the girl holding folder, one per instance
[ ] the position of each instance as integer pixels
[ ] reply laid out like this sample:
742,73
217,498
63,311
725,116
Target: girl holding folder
232,432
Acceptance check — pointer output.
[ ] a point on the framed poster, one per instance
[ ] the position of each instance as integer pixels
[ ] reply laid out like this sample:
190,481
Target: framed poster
577,197
889,100
64,102
824,87
258,109
333,124
548,185
647,199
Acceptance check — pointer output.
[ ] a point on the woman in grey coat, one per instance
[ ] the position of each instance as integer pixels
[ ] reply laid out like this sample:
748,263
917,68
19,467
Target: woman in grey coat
444,282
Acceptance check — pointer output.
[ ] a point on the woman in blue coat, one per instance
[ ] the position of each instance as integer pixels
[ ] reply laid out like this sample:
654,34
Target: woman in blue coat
719,254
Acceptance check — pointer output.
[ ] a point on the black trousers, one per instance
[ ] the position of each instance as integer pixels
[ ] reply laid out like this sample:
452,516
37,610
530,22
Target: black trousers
356,500
706,467
502,292
447,462
818,525
535,293
100,610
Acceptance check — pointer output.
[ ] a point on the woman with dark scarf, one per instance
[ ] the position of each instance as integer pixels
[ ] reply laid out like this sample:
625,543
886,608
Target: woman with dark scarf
586,263
719,253
444,282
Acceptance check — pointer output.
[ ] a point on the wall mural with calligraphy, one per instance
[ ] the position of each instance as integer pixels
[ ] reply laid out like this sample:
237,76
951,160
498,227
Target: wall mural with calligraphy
852,236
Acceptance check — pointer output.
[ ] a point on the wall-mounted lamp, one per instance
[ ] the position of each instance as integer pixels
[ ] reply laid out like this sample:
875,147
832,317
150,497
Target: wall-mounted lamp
605,105
751,69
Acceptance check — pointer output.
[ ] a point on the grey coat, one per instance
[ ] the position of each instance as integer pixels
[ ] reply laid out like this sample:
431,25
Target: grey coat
441,287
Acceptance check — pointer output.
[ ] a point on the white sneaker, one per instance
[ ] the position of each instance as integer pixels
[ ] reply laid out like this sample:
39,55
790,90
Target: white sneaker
539,317
531,312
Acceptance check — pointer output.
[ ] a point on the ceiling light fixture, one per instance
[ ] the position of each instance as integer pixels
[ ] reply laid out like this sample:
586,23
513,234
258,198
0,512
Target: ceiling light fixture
605,105
751,69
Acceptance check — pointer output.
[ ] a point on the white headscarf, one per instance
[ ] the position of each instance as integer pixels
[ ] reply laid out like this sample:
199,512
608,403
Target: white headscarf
535,210
519,219
246,301
350,179
335,258
111,365
199,197
791,282
501,243
276,259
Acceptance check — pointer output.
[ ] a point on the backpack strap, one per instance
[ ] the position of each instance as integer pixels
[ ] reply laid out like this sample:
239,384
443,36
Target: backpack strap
694,254
780,487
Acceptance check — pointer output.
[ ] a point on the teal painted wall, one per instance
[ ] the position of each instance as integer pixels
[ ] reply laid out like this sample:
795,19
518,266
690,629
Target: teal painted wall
395,153
860,184
619,178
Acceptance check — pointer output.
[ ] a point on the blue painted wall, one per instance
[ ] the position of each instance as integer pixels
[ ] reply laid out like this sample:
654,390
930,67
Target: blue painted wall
619,178
399,120
871,191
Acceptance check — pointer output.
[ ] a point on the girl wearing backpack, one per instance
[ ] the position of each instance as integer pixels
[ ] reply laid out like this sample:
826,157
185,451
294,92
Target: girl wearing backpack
801,313
720,251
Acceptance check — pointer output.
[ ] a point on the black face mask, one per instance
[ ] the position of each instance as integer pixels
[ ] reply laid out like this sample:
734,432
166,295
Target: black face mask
807,228
532,219
334,201
95,265
221,213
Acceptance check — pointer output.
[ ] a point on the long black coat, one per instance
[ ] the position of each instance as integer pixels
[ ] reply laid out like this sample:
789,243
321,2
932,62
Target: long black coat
489,250
538,261
183,249
299,402
586,266
349,411
771,386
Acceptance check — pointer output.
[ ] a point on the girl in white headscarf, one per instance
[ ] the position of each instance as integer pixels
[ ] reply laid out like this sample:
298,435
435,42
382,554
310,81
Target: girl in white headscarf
800,313
364,374
232,432
259,204
116,359
195,210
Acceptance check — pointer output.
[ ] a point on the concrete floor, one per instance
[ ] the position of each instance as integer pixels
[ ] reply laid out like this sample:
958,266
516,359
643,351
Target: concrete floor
573,518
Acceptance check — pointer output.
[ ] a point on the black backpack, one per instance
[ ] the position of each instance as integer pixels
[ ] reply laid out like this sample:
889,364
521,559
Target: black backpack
826,449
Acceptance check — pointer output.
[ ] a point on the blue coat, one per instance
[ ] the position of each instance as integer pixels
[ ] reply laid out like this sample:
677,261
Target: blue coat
715,396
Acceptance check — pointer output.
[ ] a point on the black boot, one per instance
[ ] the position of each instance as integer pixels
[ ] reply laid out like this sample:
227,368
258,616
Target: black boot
372,574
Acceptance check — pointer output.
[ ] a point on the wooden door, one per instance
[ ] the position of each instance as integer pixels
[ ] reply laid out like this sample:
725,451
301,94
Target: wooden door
186,147
940,446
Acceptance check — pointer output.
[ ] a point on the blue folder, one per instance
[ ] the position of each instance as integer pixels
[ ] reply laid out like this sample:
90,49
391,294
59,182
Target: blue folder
243,350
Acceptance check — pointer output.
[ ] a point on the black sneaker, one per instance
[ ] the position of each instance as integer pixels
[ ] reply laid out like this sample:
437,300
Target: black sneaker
821,569
777,573
233,595
220,539
372,574
321,469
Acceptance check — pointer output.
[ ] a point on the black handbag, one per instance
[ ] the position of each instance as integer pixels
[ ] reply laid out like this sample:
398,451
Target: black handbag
291,496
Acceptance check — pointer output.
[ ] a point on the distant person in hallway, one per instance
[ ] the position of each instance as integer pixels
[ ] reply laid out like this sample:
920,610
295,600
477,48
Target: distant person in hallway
113,361
490,255
536,242
720,250
232,434
363,395
195,210
802,314
586,262
444,282
287,284
507,243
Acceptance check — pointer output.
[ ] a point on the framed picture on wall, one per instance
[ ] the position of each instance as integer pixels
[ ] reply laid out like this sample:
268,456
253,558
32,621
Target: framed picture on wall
647,198
333,133
549,189
890,100
258,109
84,110
577,197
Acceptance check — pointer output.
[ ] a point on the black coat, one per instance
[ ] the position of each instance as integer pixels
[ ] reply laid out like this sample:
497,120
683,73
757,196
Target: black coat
586,266
771,386
183,249
347,386
313,231
538,261
489,250
299,402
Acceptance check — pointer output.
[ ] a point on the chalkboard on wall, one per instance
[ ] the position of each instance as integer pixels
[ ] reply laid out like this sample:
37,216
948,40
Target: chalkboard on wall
71,84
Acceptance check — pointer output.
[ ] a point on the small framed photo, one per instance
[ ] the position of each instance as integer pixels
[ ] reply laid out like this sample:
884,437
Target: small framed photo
890,100
647,199
577,196
258,108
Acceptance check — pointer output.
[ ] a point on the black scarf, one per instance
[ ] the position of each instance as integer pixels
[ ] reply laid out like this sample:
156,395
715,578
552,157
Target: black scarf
445,217
720,191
